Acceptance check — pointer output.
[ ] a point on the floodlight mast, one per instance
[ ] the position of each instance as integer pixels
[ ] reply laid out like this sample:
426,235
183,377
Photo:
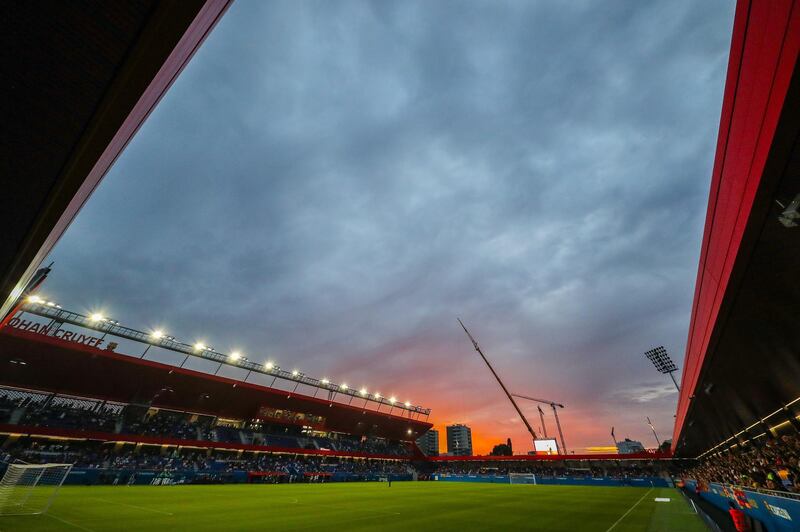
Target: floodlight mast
674,381
654,431
499,381
663,363
553,405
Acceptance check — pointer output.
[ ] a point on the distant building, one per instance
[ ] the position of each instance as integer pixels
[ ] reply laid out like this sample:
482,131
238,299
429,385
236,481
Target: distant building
459,440
503,449
429,443
629,446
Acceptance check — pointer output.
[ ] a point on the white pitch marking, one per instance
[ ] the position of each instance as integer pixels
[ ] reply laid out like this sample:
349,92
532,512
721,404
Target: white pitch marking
70,523
133,506
629,510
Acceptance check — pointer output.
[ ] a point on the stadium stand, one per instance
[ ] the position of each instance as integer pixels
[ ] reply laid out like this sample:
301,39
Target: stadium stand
599,469
98,462
30,409
110,462
774,466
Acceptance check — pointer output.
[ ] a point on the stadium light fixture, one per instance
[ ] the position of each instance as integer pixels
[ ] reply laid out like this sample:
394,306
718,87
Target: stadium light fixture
663,363
42,307
409,431
393,400
408,404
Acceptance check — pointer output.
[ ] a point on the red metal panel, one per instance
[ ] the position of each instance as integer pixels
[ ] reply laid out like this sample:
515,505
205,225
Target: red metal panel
764,52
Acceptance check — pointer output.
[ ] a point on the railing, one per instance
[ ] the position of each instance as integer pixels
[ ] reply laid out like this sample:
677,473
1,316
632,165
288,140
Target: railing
111,327
764,491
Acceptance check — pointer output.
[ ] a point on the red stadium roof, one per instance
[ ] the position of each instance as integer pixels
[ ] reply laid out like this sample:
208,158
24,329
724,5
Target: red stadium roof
69,368
741,369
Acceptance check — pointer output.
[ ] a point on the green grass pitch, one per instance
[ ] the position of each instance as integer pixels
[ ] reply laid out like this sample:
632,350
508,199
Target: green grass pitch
407,506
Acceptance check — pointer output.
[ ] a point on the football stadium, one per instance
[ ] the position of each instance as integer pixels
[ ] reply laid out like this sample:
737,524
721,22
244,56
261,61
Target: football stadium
109,422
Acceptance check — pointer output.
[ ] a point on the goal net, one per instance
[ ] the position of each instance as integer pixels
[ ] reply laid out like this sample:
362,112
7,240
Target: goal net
30,488
521,478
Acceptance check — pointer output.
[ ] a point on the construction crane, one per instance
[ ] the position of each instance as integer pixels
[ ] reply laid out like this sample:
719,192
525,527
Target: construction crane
496,376
555,407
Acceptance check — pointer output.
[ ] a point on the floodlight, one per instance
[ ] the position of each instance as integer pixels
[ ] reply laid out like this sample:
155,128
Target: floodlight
295,373
363,391
392,400
96,317
157,334
269,365
409,431
408,404
324,381
378,395
34,299
343,386
663,363
661,360
200,347
51,304
236,355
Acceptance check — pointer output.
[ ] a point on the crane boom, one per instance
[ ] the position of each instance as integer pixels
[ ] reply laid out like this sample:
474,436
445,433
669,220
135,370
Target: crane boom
496,376
543,401
541,418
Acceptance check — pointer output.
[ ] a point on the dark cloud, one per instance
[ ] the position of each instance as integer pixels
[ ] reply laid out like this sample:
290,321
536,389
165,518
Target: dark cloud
330,184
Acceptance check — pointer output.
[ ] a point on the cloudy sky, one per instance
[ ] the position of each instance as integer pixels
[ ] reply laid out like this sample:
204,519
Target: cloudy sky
331,184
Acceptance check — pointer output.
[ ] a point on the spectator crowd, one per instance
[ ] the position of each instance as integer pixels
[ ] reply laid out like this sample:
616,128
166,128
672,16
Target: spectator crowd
553,470
772,465
94,455
33,409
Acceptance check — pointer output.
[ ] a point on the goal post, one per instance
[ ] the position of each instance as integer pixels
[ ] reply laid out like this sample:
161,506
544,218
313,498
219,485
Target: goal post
29,489
522,478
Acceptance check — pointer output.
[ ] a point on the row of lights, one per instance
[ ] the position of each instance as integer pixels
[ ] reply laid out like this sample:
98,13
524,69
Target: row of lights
762,420
40,301
235,356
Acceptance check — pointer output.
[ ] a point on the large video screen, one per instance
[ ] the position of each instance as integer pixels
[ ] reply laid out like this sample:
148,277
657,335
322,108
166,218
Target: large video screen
545,446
